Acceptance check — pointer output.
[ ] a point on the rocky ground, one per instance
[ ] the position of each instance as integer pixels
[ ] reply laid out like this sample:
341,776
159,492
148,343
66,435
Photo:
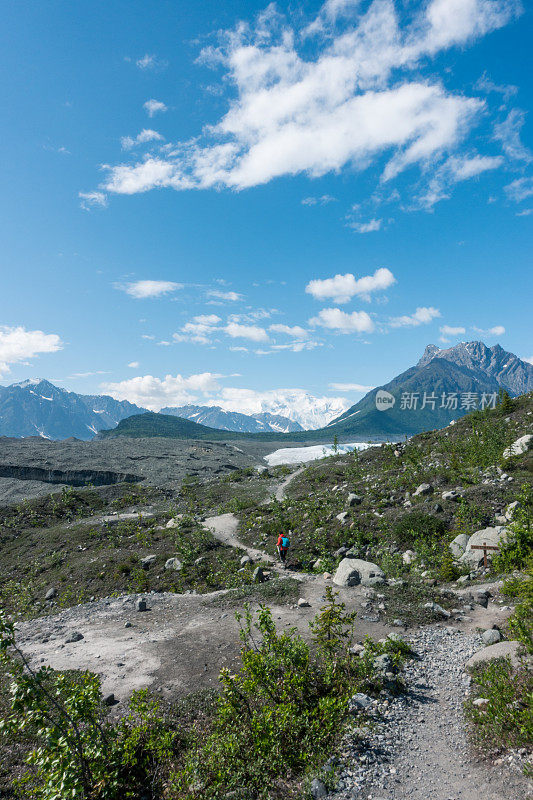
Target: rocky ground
29,466
419,748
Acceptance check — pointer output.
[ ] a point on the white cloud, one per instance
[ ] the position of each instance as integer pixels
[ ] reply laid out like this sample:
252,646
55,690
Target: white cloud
421,316
496,330
296,347
133,364
252,332
358,98
199,330
154,393
453,171
218,294
529,360
153,107
296,404
342,288
350,387
321,201
146,135
366,227
92,199
18,344
508,133
176,390
450,330
520,189
336,320
140,290
148,62
295,330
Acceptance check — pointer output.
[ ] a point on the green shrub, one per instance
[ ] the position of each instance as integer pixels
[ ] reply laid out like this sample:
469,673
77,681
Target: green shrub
417,525
507,720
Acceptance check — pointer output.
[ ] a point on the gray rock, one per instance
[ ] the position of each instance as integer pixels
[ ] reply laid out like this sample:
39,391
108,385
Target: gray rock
76,636
459,544
490,536
519,447
451,495
245,560
383,663
354,499
303,603
318,789
342,517
408,557
141,605
424,488
51,593
438,610
510,510
499,650
492,636
359,702
481,598
110,699
147,561
173,563
354,571
258,576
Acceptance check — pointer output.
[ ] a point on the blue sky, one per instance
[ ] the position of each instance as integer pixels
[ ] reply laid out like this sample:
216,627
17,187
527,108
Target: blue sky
184,181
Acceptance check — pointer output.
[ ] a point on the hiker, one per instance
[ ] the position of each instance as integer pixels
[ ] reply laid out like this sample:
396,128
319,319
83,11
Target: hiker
283,545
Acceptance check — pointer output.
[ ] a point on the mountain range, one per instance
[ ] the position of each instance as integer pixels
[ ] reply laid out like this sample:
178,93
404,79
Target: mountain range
444,385
421,398
216,417
39,408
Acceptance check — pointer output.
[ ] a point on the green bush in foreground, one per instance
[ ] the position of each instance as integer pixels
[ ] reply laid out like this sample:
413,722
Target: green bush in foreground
274,721
507,719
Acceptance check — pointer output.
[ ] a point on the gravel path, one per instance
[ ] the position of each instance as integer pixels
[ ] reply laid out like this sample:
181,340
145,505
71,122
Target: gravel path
281,490
419,749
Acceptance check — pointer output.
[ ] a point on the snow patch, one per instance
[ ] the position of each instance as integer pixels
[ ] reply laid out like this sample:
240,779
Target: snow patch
301,455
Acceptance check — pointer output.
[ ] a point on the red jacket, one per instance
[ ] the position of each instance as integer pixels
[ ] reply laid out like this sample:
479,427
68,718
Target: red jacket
280,538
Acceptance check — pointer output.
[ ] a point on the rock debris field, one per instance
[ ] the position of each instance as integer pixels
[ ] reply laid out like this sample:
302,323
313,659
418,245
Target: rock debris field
419,749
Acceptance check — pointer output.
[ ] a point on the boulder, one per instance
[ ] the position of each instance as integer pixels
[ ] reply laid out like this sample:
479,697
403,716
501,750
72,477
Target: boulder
342,517
490,536
438,610
258,576
303,603
318,789
147,561
499,650
141,605
354,571
510,510
481,702
245,560
451,495
354,499
51,593
173,563
359,702
519,447
459,544
492,636
74,637
424,488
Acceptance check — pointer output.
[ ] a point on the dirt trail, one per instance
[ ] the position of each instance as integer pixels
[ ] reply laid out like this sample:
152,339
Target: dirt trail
281,490
224,527
420,750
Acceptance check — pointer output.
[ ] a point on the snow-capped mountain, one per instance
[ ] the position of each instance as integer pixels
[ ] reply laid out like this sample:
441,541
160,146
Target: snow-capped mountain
216,417
295,404
38,408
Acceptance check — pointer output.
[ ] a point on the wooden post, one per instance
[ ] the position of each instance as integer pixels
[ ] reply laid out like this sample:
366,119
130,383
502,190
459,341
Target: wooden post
483,547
